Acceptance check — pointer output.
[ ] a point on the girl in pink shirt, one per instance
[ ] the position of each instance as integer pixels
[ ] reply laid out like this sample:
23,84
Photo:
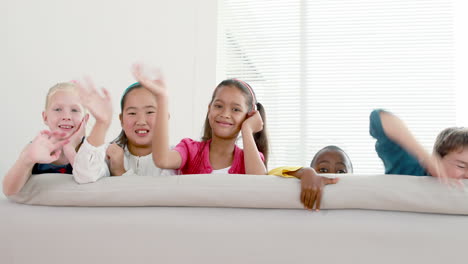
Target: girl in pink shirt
233,109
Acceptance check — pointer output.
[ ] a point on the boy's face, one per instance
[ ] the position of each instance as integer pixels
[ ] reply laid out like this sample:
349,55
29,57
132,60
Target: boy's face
332,161
64,112
455,164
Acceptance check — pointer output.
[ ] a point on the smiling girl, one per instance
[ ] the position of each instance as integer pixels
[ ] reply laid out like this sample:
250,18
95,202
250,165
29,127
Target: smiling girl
233,109
130,152
53,150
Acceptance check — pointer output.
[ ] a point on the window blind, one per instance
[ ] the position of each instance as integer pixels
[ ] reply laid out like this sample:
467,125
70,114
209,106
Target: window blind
319,68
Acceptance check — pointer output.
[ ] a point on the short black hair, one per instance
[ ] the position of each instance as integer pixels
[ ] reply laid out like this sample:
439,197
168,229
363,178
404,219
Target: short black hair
331,148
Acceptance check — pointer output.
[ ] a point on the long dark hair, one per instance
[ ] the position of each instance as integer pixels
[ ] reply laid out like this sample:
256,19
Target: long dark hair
122,139
261,138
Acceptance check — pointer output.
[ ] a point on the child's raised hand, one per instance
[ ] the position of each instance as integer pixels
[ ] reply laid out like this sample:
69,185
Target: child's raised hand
77,136
115,155
253,123
312,188
433,165
54,136
99,105
150,79
45,148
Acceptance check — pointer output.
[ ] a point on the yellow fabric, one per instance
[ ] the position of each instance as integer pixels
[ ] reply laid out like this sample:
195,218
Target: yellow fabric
282,171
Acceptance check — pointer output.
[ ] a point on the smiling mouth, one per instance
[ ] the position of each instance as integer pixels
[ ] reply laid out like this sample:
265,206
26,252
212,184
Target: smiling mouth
66,126
223,123
142,131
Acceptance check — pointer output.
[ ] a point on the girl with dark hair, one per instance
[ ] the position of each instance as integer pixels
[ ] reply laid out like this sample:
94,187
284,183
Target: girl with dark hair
233,109
130,152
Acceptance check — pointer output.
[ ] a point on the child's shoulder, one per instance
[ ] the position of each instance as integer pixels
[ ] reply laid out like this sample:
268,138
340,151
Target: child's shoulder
191,144
376,128
189,140
375,113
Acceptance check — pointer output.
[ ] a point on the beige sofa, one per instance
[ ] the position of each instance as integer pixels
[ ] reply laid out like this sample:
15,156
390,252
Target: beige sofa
190,222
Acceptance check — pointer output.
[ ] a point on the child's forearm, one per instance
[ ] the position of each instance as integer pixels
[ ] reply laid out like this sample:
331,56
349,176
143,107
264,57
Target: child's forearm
298,174
70,153
161,132
117,171
17,176
163,157
98,134
397,131
253,162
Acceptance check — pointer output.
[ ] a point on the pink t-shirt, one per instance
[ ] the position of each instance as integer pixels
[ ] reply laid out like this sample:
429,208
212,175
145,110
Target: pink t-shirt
196,157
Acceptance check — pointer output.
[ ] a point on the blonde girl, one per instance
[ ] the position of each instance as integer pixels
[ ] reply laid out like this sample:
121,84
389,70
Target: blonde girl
53,150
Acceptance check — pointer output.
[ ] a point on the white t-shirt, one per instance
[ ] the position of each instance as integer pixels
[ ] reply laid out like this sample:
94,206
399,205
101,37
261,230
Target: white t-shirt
221,171
91,164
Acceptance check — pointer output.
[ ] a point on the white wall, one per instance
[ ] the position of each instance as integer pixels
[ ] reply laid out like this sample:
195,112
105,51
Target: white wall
45,42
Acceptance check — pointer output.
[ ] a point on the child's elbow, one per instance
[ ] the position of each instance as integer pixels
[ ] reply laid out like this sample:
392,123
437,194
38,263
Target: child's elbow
160,163
82,177
165,163
82,180
8,190
257,172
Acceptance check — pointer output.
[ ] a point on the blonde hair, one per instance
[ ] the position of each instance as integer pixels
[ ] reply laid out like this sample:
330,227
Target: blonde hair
63,86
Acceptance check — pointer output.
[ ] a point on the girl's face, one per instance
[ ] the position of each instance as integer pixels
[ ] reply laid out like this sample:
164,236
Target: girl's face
332,161
227,112
138,117
64,112
455,164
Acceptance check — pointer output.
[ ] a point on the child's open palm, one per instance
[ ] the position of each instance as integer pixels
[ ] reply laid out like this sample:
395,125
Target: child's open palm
100,105
150,79
77,136
46,147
